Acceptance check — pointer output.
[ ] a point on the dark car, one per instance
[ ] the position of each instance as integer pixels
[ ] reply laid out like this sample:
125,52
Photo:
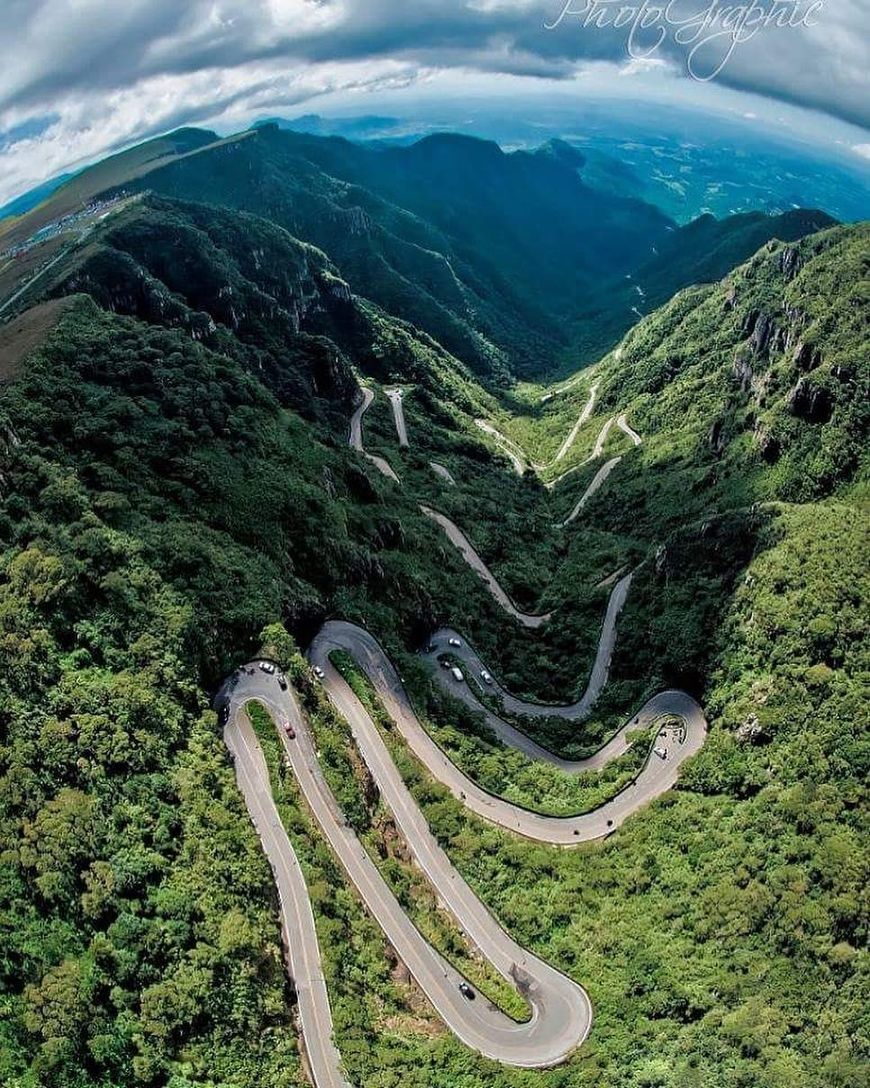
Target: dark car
290,731
225,713
467,991
282,681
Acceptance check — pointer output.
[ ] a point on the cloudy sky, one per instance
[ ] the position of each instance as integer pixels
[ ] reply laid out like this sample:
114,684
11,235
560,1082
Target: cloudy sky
82,77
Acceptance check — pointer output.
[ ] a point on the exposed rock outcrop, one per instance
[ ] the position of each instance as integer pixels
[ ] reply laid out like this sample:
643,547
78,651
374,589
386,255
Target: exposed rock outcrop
751,731
768,444
790,262
810,402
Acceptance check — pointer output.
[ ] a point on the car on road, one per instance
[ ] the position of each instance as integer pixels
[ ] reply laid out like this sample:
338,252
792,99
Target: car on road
267,667
225,713
282,681
318,672
485,677
660,752
454,642
290,731
457,674
467,991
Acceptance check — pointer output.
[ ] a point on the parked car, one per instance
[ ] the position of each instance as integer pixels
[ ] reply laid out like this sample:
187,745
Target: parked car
660,752
282,681
467,991
318,672
454,642
457,674
225,713
445,664
267,667
485,677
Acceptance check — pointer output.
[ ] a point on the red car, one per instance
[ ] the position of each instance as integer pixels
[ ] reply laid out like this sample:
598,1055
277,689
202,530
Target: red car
290,731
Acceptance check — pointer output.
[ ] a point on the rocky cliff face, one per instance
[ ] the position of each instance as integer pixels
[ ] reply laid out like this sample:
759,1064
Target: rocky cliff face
235,283
771,362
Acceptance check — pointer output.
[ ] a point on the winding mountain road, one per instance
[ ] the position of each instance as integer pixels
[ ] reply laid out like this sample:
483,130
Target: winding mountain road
597,480
624,426
561,1014
657,775
395,398
597,450
516,454
575,430
356,441
297,918
507,446
508,734
564,388
456,537
560,1011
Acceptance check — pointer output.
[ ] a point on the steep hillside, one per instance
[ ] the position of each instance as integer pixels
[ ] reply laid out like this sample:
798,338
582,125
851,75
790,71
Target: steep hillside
765,375
512,262
479,248
702,252
174,477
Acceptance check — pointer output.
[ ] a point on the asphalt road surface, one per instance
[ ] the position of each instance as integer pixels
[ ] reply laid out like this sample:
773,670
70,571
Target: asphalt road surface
297,920
623,425
443,472
575,430
597,480
37,275
600,441
508,447
560,1013
356,441
471,557
597,450
565,388
518,457
657,775
473,667
395,398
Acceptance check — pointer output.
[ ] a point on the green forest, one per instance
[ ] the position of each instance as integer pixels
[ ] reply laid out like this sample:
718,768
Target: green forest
176,492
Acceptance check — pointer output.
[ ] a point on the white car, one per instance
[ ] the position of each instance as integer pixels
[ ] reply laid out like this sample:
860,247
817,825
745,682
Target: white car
660,752
454,642
318,672
457,675
485,677
267,666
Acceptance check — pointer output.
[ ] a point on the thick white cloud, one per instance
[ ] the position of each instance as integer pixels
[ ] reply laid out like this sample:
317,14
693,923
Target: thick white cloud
110,73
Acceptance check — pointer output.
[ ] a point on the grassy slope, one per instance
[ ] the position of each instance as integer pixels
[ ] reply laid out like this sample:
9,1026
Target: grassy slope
117,171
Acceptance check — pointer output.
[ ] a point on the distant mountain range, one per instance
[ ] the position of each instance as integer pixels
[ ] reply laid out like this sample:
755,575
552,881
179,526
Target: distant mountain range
509,260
